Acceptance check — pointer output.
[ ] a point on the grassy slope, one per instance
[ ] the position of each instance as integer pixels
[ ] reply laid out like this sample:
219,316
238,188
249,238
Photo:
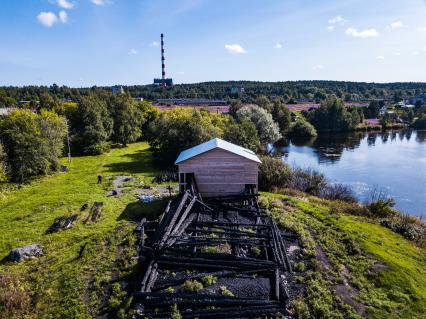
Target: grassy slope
66,286
386,272
62,282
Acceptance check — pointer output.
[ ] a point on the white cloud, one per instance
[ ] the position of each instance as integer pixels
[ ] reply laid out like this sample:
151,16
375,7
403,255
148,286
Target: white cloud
367,33
337,20
380,57
133,51
278,45
398,53
235,49
65,4
396,25
416,52
421,29
318,67
155,44
99,2
63,16
47,19
330,28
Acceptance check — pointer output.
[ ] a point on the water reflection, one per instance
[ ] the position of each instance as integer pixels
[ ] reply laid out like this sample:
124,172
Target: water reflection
394,161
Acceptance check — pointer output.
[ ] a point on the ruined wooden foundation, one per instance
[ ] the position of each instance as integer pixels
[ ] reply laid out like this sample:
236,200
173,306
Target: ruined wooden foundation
227,237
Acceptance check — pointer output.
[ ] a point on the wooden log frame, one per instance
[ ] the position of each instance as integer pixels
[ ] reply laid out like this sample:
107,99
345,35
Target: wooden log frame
176,243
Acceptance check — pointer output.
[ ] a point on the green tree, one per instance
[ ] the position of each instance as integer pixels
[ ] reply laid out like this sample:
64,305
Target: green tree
34,142
302,128
91,126
149,113
178,129
128,119
242,133
332,116
267,129
282,115
263,102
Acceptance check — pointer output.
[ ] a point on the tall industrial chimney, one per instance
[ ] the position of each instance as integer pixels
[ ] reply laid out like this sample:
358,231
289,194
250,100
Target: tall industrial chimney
163,66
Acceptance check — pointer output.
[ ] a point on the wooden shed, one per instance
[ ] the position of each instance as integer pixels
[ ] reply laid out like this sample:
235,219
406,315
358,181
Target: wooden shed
218,168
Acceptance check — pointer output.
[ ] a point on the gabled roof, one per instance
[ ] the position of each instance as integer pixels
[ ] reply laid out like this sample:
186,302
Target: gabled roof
217,143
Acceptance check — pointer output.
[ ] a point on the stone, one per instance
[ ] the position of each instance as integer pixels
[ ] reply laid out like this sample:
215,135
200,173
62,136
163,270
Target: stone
21,253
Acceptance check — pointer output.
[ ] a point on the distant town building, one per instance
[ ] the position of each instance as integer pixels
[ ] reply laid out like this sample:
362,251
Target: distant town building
191,101
137,99
167,82
117,89
402,104
237,89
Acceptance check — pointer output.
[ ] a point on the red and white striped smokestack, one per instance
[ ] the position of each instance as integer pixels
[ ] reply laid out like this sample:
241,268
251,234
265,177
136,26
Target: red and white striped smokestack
163,66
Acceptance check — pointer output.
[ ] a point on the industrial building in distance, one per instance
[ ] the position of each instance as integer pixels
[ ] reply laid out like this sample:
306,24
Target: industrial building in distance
163,82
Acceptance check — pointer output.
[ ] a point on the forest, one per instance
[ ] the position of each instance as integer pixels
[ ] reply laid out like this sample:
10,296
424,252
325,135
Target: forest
289,91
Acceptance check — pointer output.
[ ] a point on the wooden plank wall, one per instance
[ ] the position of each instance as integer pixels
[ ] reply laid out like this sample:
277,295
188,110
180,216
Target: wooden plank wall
219,172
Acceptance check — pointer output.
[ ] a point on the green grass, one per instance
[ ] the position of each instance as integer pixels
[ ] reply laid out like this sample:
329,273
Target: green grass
64,285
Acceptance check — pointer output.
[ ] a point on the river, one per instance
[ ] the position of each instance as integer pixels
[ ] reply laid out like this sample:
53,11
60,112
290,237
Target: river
393,162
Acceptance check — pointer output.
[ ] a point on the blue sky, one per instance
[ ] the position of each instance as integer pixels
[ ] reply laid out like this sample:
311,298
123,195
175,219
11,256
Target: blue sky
106,42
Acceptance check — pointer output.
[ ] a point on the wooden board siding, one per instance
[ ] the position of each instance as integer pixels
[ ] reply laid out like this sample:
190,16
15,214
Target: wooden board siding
219,172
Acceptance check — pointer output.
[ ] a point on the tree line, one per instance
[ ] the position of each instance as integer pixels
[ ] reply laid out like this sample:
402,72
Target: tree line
290,91
32,140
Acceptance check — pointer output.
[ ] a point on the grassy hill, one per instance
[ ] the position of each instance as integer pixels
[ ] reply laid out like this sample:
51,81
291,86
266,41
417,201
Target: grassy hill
353,267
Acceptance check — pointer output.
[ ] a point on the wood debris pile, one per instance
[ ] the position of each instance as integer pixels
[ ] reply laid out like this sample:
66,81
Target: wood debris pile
218,258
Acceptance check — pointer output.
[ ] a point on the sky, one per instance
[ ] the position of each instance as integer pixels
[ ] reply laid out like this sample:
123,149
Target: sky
82,43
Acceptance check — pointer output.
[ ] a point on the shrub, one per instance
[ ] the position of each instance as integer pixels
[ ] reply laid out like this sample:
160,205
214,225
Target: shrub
274,173
15,302
300,267
338,192
405,225
302,128
224,291
117,296
255,251
175,313
192,285
308,181
382,208
209,280
170,290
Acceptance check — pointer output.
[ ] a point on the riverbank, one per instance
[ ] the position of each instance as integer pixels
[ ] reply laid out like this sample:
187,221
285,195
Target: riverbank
353,266
368,162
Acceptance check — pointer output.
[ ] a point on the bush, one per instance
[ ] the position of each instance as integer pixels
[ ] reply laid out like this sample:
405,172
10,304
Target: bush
308,181
274,173
209,280
192,285
302,128
338,192
15,302
224,291
382,208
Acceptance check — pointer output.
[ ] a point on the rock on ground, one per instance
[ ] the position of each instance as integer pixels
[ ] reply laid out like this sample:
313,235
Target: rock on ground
21,253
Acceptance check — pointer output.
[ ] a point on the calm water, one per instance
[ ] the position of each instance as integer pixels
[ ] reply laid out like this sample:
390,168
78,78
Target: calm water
393,162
